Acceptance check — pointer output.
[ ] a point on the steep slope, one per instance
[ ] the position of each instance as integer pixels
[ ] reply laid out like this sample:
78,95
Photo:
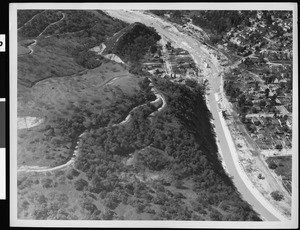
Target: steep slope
132,43
58,42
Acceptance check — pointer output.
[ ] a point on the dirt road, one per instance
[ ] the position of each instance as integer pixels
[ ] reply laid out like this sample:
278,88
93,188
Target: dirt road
202,55
76,148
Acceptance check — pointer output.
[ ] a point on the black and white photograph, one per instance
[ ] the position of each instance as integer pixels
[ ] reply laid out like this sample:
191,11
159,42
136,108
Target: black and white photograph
154,115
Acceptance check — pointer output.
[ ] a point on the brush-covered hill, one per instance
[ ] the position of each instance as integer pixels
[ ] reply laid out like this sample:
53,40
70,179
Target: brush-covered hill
56,43
132,43
161,167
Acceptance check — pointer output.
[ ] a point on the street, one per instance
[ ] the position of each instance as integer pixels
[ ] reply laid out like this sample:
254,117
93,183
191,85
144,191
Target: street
201,56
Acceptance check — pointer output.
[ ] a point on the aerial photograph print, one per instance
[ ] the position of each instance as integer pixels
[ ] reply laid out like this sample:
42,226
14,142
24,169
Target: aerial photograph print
165,114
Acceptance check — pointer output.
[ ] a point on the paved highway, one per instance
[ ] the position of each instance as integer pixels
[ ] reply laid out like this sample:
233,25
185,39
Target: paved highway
201,56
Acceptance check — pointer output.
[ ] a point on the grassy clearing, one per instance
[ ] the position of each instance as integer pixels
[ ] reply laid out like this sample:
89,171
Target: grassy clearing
45,62
58,100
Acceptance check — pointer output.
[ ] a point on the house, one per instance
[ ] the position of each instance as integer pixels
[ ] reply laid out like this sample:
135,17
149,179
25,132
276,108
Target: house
283,81
288,143
263,120
277,143
278,130
156,55
159,70
282,110
183,52
257,108
275,122
247,120
260,136
278,102
289,122
255,121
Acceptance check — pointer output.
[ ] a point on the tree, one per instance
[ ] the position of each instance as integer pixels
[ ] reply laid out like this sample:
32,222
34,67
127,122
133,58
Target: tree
277,195
242,100
272,165
72,173
267,91
153,49
178,184
80,184
107,214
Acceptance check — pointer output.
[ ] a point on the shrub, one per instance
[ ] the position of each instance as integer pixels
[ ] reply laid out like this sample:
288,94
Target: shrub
80,184
47,183
277,195
272,165
72,173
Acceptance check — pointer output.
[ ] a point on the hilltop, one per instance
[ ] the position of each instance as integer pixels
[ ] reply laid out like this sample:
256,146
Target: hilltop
132,43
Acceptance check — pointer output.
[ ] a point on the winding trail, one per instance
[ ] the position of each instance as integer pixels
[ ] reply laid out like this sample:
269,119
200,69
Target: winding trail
51,24
76,149
202,55
31,19
31,46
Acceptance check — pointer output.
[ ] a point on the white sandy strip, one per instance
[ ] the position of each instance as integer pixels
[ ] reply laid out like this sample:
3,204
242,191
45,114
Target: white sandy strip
113,80
44,169
126,120
243,175
47,169
30,47
114,57
28,122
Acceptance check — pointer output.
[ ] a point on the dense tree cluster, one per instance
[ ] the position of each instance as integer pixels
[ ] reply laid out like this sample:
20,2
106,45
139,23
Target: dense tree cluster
39,23
89,59
24,16
186,149
134,43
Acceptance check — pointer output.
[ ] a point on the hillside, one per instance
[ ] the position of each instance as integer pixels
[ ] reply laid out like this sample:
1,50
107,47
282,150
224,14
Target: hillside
63,39
158,169
132,43
99,153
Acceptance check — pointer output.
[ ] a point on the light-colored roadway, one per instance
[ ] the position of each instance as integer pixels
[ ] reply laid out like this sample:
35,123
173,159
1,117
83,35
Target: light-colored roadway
201,54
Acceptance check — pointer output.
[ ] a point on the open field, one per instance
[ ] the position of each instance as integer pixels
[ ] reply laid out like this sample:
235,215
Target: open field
55,101
46,61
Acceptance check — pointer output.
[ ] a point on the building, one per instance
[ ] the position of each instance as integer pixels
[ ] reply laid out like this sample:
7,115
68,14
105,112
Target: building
289,122
282,110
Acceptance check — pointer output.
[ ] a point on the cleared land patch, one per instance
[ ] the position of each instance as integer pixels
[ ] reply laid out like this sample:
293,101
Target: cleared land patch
58,101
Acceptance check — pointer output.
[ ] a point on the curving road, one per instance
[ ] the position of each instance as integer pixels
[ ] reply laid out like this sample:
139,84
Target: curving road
76,149
30,47
201,56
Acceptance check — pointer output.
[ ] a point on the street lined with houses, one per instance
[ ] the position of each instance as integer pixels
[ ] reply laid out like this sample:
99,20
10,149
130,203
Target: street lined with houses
203,58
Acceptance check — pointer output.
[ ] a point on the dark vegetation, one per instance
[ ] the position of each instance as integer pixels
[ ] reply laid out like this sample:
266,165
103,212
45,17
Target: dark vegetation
62,132
179,142
132,44
38,24
190,150
25,15
277,195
